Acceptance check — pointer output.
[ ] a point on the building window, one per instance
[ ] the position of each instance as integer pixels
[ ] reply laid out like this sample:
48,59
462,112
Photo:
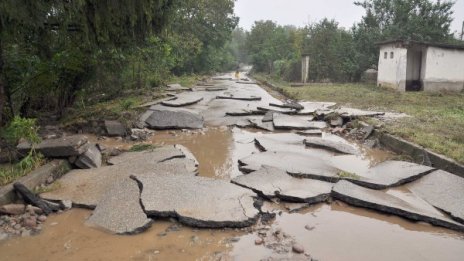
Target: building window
392,55
385,55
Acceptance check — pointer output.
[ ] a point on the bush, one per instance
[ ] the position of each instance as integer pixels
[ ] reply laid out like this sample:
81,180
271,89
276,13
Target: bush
21,128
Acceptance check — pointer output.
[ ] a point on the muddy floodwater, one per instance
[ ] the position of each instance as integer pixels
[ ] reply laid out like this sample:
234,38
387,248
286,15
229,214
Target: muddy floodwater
329,232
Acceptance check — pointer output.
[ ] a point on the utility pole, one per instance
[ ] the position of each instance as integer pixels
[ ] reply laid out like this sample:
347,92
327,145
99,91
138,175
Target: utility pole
462,31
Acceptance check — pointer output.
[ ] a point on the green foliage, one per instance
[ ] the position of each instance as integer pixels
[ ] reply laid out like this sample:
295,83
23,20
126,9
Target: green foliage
21,128
53,53
141,147
339,54
127,103
9,174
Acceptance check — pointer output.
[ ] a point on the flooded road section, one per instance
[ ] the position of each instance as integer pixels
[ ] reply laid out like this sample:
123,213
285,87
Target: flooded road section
332,232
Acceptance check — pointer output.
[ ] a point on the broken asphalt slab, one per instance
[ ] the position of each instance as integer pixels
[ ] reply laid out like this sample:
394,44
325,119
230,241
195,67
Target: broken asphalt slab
381,201
177,87
337,146
85,187
444,191
92,158
197,201
297,164
119,210
356,113
289,105
169,119
286,122
240,98
182,101
58,148
271,182
114,129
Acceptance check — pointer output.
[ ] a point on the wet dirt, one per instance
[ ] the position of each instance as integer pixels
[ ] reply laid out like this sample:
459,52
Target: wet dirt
65,237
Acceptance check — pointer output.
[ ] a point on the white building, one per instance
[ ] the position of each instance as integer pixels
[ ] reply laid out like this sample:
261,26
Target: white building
419,66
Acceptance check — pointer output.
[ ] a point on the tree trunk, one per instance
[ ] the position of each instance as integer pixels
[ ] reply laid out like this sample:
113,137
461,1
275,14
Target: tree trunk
31,198
3,97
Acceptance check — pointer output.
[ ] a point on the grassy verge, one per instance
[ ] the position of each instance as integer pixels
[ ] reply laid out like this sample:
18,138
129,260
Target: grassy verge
437,120
124,107
10,173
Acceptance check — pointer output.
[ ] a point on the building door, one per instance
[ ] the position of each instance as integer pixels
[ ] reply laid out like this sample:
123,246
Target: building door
414,70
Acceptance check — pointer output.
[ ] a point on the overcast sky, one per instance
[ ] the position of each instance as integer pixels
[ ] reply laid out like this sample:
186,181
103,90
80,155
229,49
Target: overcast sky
299,12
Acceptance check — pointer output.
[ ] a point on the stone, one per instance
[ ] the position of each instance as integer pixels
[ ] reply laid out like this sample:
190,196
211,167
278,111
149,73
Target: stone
240,98
59,148
26,233
197,201
338,146
30,222
182,101
92,158
444,191
42,218
272,182
93,183
3,236
381,201
13,209
297,164
167,119
119,210
259,241
336,122
67,204
114,129
268,117
287,122
297,248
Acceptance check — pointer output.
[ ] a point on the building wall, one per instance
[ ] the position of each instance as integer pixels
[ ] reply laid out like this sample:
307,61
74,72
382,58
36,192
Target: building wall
392,71
444,70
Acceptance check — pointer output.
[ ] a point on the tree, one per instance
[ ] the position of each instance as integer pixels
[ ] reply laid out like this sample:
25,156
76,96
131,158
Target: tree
420,20
61,40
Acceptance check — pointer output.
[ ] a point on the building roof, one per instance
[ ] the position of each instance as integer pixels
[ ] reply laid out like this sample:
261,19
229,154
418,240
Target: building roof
416,43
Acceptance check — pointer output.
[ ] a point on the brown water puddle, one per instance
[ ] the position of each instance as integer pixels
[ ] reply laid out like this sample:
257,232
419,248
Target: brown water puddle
65,237
336,231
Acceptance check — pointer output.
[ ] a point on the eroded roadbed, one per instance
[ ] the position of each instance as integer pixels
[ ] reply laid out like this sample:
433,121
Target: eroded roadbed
222,192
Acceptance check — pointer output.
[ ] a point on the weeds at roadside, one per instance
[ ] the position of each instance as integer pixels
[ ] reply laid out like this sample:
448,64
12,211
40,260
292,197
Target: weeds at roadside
142,147
31,162
50,188
348,175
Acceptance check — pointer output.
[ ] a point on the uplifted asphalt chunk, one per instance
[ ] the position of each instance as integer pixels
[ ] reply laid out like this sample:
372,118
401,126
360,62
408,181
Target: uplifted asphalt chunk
297,164
85,187
290,105
277,109
182,101
381,201
168,119
119,210
444,191
279,142
114,129
197,201
287,122
92,158
272,182
331,145
356,113
236,97
59,148
259,124
268,117
391,174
